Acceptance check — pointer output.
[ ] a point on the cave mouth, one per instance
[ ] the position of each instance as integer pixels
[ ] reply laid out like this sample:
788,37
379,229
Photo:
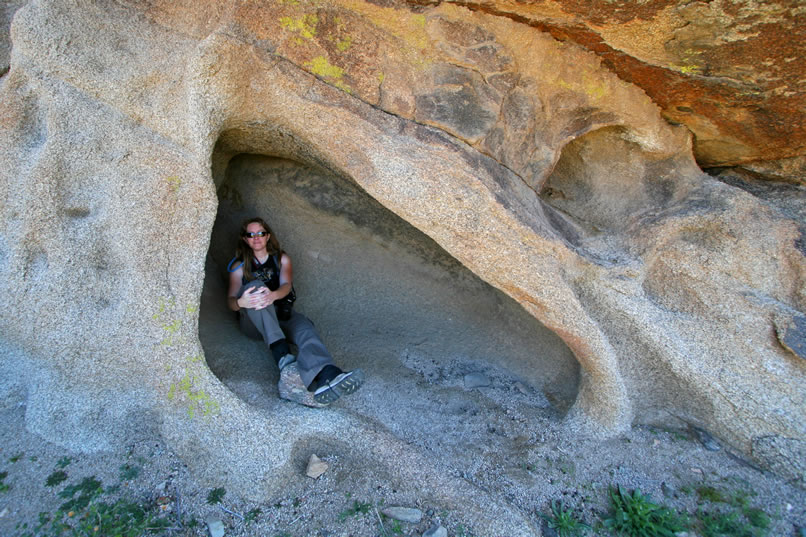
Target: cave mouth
383,295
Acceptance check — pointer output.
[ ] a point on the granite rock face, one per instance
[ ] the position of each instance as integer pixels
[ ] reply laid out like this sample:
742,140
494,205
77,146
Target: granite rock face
732,72
522,155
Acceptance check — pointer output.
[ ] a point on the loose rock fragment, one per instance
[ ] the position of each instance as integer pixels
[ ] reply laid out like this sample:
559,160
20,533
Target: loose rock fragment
403,514
792,334
316,467
436,531
165,504
292,389
476,380
215,527
707,441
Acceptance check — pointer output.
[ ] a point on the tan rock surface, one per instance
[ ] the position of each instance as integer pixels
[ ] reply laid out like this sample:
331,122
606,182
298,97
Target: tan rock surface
119,122
732,72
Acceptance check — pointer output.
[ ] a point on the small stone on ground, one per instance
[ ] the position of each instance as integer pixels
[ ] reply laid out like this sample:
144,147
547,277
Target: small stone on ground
436,531
215,527
316,467
476,380
292,389
707,441
403,514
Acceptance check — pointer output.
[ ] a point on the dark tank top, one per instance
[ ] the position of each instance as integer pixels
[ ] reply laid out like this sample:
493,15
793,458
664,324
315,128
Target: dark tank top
268,272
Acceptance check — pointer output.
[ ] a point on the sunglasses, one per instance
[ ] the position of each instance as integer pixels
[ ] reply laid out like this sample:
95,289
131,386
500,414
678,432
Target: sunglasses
250,235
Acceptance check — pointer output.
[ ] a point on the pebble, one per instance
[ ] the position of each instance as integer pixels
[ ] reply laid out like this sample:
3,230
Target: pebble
707,441
521,387
403,514
292,389
316,467
165,504
436,531
696,470
215,526
4,512
476,380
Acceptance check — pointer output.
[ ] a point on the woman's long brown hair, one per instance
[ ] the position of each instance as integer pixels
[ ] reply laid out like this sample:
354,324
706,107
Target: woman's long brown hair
244,253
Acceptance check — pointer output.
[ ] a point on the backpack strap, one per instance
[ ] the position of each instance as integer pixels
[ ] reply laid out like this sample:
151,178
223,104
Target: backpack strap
233,261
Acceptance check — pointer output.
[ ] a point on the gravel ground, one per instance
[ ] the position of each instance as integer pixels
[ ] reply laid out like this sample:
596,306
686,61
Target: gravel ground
480,434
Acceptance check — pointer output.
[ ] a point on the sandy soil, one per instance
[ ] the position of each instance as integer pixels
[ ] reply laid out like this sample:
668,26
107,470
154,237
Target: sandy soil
474,433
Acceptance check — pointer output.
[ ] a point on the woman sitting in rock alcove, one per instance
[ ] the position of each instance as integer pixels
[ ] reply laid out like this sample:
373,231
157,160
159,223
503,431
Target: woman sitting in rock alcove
261,291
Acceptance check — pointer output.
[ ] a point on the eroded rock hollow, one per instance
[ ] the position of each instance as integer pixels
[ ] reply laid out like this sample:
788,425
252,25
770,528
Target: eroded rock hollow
524,202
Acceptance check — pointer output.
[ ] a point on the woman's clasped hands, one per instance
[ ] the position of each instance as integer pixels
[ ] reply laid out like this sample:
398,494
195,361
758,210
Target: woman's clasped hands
256,298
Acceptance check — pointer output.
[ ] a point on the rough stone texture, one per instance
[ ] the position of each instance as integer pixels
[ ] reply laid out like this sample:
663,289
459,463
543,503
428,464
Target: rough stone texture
316,467
523,157
791,334
732,72
404,514
436,531
291,388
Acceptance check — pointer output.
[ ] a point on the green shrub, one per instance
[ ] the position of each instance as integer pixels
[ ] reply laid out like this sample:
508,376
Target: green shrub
634,515
563,521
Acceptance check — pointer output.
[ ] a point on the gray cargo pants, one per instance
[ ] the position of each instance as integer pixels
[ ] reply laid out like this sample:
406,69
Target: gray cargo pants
263,324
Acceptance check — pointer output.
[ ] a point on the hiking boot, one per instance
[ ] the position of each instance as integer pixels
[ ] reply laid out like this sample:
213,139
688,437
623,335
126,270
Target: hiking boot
285,360
343,384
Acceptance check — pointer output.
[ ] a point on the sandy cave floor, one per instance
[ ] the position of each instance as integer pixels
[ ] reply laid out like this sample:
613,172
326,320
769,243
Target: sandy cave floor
505,439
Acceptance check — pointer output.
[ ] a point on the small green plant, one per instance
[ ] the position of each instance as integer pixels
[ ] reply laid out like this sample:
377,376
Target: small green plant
730,524
357,508
216,495
84,514
89,489
395,528
757,517
710,494
634,515
252,515
128,472
563,521
723,524
55,478
64,462
15,458
4,486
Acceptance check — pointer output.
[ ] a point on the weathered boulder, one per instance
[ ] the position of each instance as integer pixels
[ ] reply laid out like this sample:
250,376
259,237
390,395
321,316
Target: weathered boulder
732,72
521,156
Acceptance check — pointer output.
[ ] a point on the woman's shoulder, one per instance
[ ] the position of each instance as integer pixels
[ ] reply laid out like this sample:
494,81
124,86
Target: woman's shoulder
234,264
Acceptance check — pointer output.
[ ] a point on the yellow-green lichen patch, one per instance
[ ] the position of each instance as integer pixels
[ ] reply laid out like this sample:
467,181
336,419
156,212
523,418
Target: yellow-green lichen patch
592,87
690,64
321,67
595,88
304,26
344,44
400,23
687,69
186,388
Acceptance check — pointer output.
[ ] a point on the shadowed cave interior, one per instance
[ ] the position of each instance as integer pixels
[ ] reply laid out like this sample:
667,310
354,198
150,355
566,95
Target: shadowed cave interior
386,298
